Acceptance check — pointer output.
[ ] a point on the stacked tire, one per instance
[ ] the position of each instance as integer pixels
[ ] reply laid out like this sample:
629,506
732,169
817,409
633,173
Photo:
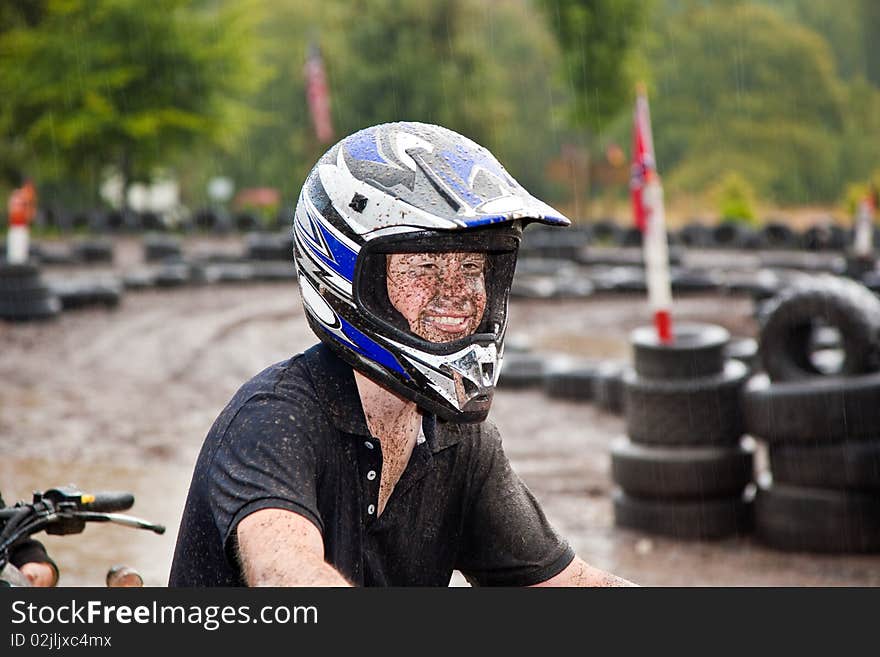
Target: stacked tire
23,294
822,428
683,470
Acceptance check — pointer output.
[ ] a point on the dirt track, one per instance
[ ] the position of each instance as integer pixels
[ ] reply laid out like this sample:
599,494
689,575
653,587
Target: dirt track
123,399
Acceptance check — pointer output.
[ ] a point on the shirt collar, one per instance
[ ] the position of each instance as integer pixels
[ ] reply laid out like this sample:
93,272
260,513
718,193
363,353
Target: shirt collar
338,393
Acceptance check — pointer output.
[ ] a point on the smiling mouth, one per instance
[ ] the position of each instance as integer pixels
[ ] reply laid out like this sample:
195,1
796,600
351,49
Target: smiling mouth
448,323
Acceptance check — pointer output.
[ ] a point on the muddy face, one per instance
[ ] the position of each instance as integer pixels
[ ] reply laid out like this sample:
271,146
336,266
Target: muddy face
441,295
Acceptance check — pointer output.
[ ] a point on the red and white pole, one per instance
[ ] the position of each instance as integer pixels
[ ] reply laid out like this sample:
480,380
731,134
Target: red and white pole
656,254
650,216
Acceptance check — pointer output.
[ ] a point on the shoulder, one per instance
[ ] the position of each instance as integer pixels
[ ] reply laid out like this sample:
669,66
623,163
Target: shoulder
479,442
280,400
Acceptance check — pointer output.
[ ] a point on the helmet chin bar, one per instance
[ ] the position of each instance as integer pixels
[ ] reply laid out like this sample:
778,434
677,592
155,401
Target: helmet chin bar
473,375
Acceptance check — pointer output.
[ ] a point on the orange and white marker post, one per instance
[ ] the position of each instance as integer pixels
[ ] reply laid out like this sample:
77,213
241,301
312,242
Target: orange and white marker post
22,208
650,216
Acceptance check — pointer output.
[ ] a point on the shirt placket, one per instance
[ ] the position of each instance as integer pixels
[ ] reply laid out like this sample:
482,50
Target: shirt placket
370,476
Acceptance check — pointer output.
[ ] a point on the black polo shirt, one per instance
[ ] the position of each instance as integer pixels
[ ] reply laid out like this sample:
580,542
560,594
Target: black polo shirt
295,437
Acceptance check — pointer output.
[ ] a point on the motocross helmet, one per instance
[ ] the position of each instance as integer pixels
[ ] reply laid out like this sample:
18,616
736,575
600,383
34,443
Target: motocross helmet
410,188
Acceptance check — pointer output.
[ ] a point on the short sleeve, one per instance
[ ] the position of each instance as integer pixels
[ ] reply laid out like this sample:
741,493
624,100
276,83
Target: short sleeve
264,460
506,540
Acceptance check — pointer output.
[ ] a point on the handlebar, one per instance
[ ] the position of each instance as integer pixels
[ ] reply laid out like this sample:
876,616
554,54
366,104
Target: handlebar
110,501
65,510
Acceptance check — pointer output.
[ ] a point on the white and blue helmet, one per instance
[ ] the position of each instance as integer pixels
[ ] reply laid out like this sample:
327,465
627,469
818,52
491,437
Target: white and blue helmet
410,187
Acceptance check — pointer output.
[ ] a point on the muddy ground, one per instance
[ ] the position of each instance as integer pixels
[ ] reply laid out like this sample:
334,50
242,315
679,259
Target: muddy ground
121,399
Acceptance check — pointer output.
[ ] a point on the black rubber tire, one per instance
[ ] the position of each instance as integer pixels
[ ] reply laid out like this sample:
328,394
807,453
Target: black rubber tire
606,232
631,237
815,411
619,279
801,519
776,235
158,248
245,221
543,242
744,350
697,351
730,235
844,465
173,276
75,295
570,381
699,519
858,266
139,280
269,246
791,317
234,273
92,251
571,287
693,281
696,235
23,294
274,271
608,392
522,371
704,411
534,287
206,219
19,281
680,472
824,237
36,309
152,221
16,272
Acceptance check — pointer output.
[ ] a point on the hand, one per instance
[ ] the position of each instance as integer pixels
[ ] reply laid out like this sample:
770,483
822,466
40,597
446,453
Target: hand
39,573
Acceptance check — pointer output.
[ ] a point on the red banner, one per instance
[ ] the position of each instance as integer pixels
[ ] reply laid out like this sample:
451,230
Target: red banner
318,95
643,167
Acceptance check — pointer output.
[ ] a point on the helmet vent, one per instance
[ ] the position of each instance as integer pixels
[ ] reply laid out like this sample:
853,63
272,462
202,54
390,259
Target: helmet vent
488,371
358,203
471,389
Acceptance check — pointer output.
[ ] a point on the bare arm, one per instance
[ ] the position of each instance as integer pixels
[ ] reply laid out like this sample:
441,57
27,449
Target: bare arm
282,548
579,573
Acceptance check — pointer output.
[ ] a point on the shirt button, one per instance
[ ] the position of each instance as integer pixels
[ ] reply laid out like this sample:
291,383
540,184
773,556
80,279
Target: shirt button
368,444
371,475
370,509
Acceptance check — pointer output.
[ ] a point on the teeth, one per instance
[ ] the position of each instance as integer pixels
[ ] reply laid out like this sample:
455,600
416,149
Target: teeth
444,319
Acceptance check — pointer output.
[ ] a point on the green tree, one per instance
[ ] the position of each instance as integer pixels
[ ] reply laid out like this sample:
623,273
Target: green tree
93,83
597,38
741,88
483,70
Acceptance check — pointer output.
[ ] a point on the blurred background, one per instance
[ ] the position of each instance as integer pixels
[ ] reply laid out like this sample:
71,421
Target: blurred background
760,107
167,142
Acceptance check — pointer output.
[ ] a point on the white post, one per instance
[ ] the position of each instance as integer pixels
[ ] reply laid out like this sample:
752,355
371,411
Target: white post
17,245
657,260
864,232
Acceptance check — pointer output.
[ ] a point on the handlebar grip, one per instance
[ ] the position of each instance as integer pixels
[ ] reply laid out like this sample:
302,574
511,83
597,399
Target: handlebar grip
108,502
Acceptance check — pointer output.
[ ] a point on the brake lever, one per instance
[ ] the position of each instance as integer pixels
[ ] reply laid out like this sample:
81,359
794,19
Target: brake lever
121,519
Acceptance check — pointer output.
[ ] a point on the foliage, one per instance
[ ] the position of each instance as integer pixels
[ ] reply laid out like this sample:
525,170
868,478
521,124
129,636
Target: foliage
734,198
597,37
740,87
485,71
97,82
856,192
